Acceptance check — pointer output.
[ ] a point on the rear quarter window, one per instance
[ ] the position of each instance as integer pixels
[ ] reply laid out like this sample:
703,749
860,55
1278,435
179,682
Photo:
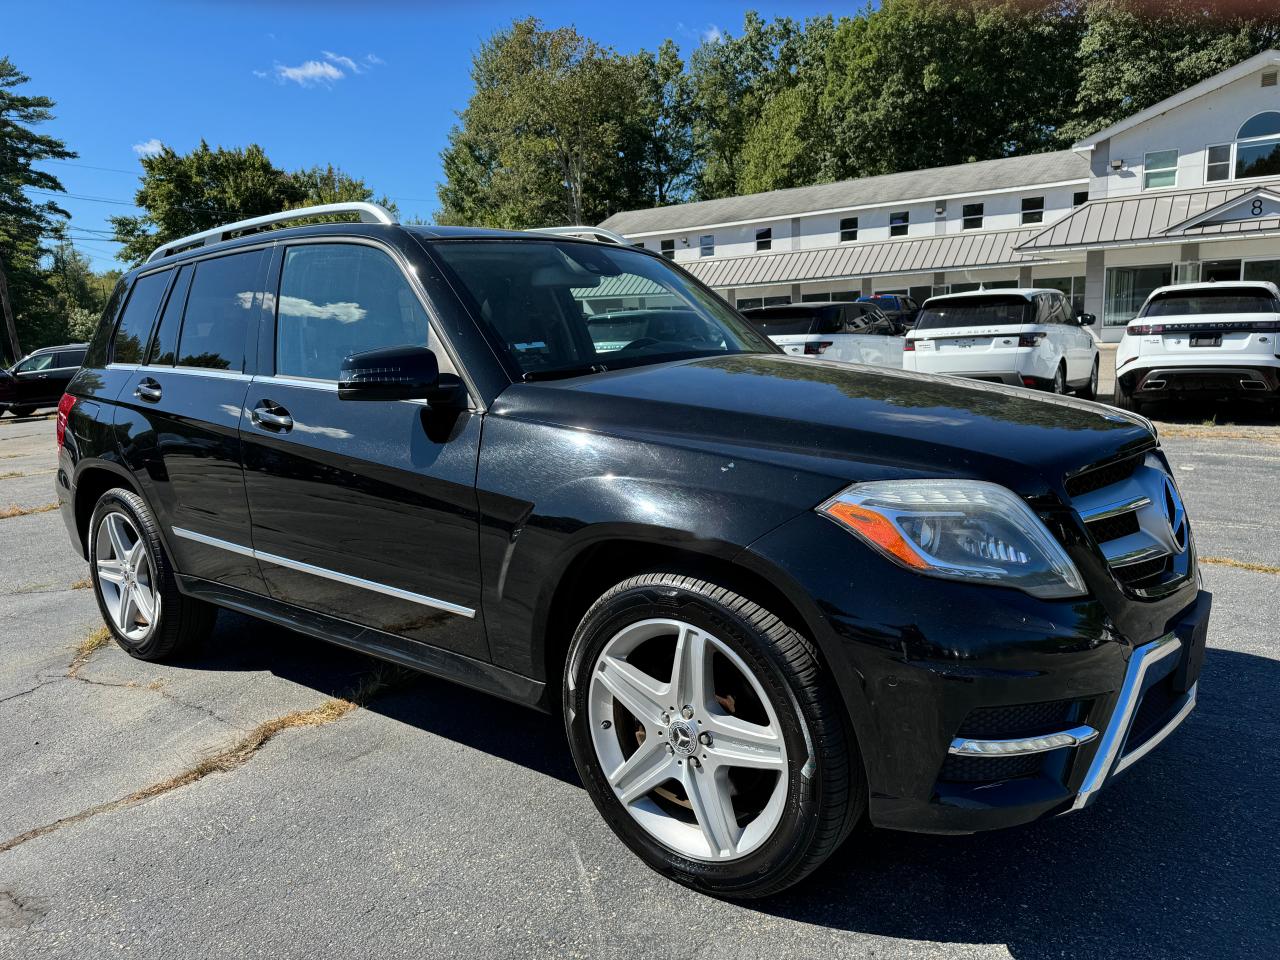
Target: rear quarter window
224,300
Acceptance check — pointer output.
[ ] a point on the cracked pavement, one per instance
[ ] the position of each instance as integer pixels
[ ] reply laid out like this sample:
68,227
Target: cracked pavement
437,821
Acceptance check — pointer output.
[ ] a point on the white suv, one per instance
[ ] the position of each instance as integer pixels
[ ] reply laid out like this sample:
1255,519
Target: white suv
1211,339
1024,337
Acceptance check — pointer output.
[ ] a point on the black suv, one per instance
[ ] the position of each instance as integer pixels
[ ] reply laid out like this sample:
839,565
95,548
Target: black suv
771,596
39,379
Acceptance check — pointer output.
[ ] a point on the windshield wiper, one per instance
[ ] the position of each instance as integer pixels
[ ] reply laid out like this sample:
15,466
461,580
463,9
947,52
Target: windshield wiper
561,373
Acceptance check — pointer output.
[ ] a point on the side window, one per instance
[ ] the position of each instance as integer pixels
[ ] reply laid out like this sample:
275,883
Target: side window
43,362
70,358
164,347
221,305
337,299
139,314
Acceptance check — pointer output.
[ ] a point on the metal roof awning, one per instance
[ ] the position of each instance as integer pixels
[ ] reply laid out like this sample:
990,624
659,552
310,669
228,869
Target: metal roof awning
1166,217
856,260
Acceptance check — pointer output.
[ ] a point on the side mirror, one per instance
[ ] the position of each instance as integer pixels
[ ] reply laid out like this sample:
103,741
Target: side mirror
1086,319
395,373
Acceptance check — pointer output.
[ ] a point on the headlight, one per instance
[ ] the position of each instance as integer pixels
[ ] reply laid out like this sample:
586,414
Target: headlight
960,530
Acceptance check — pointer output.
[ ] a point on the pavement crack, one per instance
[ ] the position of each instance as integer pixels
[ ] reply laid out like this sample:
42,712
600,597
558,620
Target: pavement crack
234,756
30,690
154,688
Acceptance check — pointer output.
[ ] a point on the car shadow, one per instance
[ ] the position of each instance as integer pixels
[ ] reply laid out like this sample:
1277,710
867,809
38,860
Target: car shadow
1197,411
1179,858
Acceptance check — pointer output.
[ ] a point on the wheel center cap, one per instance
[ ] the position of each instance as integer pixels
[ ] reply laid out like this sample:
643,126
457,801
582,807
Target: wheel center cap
683,738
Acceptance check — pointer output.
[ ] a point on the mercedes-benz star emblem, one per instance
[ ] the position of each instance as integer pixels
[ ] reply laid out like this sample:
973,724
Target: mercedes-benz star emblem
682,738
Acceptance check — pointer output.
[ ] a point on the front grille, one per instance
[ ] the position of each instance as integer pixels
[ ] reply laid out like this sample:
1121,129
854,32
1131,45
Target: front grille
1100,477
1138,574
1113,528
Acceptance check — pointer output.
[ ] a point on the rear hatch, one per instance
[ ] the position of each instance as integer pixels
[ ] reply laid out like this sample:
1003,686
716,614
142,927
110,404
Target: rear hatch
1211,327
798,330
971,333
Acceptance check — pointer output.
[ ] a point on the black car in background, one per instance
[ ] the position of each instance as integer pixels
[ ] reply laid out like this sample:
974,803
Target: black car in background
39,379
902,310
770,596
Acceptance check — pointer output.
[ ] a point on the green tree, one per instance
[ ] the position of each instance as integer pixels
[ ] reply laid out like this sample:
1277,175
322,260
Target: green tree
664,124
926,83
542,138
327,184
183,194
1134,54
25,223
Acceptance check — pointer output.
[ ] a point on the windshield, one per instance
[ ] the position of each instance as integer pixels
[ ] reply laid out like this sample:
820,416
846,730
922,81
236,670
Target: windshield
564,308
974,312
1210,301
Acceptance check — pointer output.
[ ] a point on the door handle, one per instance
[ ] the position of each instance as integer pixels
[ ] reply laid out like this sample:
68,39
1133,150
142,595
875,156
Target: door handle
272,417
148,389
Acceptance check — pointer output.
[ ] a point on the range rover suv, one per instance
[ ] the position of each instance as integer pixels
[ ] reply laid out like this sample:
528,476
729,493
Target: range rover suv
771,596
1210,340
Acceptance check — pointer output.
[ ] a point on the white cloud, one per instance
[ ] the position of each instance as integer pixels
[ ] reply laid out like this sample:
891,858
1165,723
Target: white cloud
148,148
309,73
324,72
712,34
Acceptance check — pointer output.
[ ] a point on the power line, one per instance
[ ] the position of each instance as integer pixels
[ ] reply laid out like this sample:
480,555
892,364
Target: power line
81,196
90,166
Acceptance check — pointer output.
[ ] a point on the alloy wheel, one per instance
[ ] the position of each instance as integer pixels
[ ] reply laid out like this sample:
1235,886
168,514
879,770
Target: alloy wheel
126,577
688,740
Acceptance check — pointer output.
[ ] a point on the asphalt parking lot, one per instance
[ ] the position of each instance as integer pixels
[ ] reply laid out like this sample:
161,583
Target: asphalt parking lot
238,804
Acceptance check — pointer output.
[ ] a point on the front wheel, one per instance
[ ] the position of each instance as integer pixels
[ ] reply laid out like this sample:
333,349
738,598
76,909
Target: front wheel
709,737
22,411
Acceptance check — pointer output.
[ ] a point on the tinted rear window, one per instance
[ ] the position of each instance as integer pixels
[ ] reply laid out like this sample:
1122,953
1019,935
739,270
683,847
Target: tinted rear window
1210,301
139,314
975,312
222,302
782,322
70,358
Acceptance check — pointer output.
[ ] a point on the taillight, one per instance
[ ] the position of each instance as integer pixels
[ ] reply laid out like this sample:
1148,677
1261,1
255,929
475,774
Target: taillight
816,348
64,411
909,346
1142,329
1030,339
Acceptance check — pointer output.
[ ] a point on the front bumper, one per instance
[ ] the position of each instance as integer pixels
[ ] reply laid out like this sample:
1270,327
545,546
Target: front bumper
923,664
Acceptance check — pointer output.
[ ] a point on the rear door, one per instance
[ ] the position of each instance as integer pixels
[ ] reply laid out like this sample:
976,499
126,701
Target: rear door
66,363
178,417
364,510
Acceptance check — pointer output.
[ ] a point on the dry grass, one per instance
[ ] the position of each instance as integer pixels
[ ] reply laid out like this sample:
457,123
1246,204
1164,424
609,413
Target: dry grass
1241,564
8,513
84,584
232,757
87,648
11,474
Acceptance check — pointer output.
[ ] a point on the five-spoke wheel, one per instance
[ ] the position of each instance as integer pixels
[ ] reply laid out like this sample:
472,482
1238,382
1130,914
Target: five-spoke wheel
126,576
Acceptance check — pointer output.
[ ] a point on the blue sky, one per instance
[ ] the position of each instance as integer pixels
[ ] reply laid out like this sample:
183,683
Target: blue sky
372,87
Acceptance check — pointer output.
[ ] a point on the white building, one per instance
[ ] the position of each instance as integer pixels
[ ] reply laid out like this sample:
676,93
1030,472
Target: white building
1185,190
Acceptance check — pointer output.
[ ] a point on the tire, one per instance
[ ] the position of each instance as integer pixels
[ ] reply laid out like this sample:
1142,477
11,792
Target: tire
1058,384
783,821
1090,390
1123,399
121,523
22,411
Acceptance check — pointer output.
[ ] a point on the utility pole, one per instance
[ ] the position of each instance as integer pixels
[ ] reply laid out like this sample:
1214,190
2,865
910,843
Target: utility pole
7,307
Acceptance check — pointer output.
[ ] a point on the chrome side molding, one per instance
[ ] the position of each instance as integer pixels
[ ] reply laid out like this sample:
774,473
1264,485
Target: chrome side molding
1074,737
324,572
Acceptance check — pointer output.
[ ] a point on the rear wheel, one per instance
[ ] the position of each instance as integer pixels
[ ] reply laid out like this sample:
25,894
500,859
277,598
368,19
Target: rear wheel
708,736
1090,390
1059,384
1123,399
134,582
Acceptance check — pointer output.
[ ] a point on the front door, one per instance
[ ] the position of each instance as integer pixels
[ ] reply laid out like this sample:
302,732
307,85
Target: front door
363,510
31,387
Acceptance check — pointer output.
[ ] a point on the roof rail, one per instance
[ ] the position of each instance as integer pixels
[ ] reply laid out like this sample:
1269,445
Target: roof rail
369,213
599,234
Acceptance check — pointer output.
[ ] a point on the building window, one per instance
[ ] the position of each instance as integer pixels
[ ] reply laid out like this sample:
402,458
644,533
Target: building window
898,223
764,239
848,229
750,303
707,245
668,248
1258,149
1033,209
1079,198
1128,288
639,244
1160,169
971,216
1218,166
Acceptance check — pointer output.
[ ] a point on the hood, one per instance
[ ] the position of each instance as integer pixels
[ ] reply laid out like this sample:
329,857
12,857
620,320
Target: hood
848,421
